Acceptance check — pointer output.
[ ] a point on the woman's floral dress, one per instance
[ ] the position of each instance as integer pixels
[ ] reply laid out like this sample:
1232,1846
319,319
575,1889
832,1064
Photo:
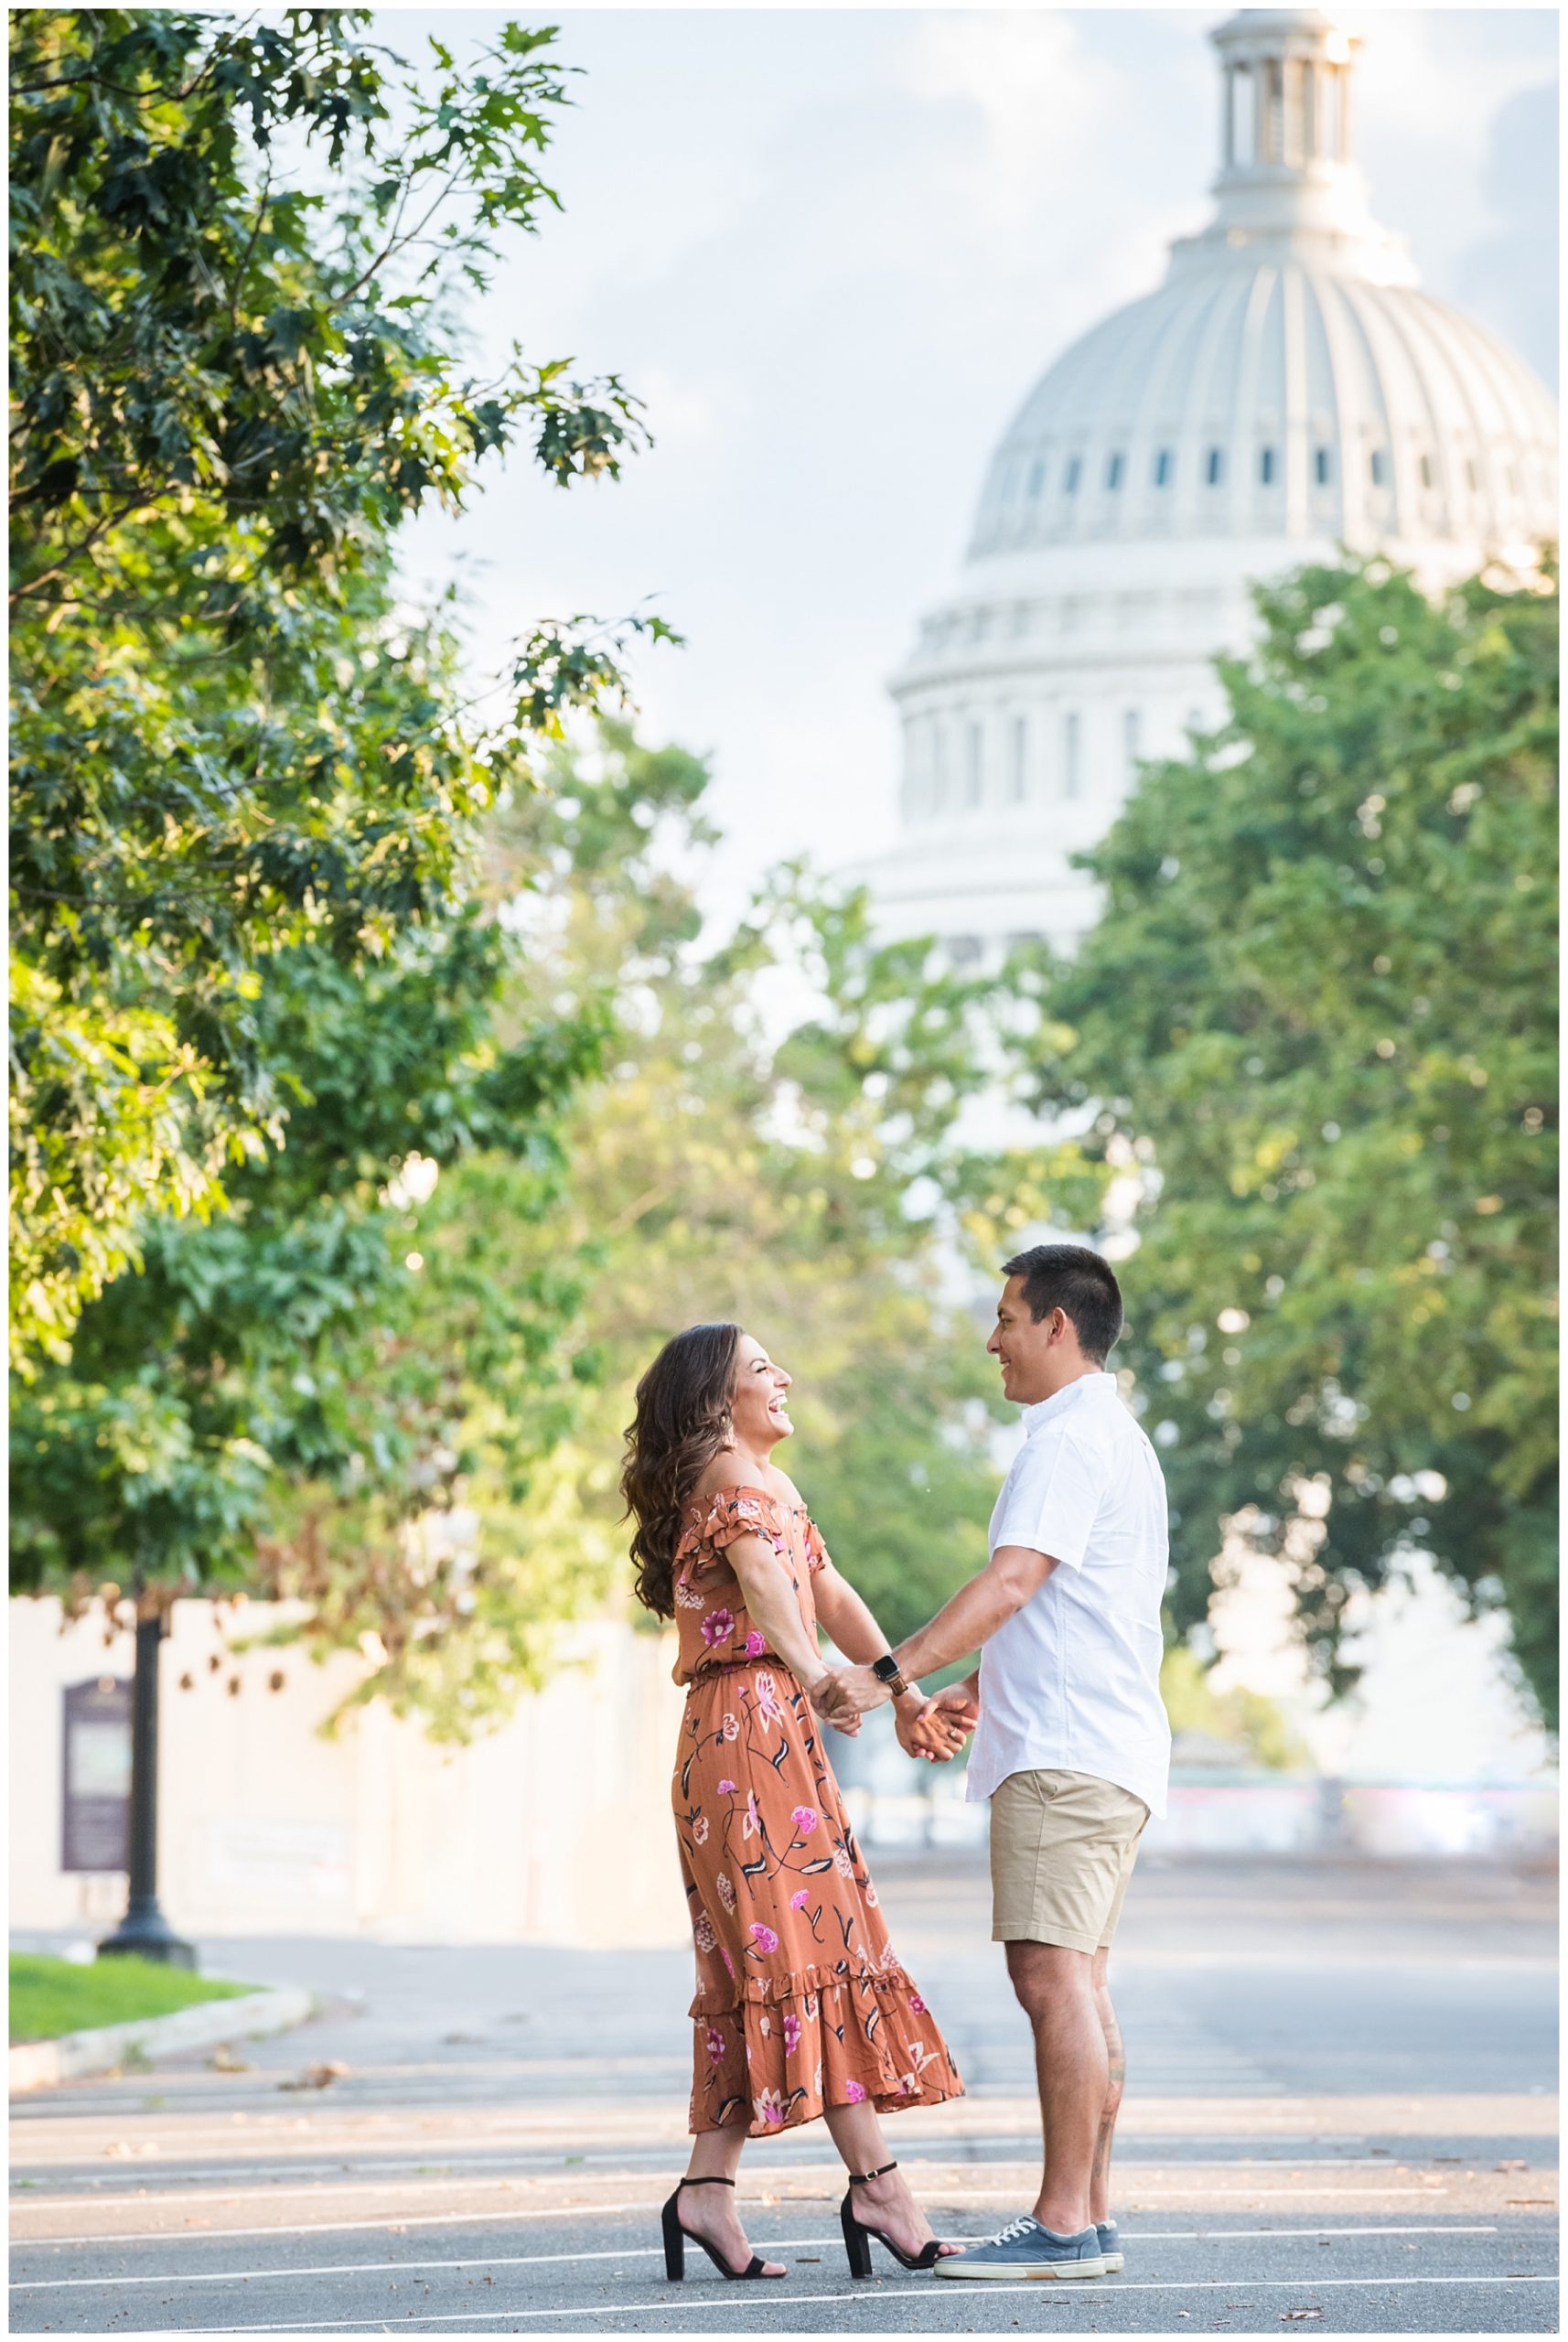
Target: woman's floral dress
801,2001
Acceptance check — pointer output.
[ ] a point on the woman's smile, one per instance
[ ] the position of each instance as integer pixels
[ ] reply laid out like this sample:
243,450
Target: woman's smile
759,1409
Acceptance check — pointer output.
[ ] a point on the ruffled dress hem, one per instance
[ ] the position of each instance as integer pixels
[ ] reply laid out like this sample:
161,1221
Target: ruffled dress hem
786,2047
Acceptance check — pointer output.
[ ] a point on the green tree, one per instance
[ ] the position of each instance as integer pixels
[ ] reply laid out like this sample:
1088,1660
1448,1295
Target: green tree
719,1169
1316,1016
338,1389
237,253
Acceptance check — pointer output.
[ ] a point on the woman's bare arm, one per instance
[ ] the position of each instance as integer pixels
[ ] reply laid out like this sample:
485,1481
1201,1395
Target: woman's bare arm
770,1598
847,1616
850,1621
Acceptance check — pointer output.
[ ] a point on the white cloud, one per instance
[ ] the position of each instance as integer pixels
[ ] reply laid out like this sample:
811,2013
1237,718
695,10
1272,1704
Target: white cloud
1041,103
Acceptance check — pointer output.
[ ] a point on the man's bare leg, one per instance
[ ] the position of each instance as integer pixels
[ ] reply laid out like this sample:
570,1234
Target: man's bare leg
1057,1991
1116,2063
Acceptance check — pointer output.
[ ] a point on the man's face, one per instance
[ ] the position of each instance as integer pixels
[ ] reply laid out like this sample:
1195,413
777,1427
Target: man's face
1027,1351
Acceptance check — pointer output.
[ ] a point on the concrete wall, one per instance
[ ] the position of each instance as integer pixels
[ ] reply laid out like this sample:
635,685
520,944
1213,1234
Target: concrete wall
554,1828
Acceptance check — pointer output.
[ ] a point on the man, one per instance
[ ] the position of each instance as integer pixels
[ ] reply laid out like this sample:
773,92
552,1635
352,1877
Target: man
1073,1746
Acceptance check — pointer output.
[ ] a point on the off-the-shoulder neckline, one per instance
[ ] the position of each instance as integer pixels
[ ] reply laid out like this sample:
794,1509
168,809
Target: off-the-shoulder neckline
744,1488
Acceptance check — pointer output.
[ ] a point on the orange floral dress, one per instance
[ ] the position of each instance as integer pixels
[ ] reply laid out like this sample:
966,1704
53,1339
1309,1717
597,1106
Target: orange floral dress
801,2001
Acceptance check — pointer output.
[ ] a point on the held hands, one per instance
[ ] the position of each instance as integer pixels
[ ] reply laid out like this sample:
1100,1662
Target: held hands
859,1688
934,1729
937,1730
833,1702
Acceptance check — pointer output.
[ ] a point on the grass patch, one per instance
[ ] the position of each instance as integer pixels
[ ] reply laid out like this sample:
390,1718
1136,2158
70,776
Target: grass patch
50,1997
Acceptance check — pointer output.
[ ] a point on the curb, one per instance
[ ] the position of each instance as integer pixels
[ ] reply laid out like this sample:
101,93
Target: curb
37,2065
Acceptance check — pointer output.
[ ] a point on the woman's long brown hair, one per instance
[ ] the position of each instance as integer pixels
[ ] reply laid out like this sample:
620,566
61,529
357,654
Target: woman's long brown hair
682,1422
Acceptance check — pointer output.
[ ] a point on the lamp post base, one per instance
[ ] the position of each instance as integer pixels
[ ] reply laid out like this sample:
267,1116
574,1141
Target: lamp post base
146,1932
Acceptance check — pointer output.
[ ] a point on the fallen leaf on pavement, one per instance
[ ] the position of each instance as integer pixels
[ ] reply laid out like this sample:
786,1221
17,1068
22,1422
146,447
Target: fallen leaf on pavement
1288,2314
319,2077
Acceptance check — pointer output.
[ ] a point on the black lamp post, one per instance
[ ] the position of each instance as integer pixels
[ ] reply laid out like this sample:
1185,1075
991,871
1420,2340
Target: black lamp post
144,1929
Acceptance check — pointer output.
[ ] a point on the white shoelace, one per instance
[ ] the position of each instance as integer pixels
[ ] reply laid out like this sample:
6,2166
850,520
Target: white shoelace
1016,2229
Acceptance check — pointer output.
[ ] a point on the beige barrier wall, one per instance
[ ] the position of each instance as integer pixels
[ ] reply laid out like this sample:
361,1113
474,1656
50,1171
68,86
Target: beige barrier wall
554,1828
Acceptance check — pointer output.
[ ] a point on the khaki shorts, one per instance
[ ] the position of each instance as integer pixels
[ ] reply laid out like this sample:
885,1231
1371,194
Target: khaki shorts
1062,1850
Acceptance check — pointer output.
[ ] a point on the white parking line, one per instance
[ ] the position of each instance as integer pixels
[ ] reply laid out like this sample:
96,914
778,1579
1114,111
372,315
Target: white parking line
1135,2147
651,2253
498,2216
1313,2284
600,2211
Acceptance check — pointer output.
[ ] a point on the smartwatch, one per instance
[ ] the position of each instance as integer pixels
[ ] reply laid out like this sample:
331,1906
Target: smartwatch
888,1670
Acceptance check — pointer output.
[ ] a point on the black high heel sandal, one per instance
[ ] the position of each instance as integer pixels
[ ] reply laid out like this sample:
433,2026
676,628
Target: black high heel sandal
857,2236
676,2240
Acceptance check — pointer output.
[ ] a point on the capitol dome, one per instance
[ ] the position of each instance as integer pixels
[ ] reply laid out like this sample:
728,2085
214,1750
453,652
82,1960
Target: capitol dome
1289,389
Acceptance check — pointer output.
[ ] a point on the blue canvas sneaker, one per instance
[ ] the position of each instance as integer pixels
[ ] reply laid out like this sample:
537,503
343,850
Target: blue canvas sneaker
1110,2250
1024,2248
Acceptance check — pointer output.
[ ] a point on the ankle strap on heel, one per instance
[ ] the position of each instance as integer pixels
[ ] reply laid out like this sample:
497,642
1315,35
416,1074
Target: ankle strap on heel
861,2178
714,2181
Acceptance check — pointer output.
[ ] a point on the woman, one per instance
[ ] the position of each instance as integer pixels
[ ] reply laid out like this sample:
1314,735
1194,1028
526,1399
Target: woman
802,2008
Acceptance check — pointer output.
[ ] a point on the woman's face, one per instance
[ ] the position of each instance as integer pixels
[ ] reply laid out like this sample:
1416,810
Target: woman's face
759,1409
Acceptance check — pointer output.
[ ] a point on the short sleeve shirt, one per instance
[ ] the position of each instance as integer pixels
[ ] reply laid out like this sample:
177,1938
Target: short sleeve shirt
1072,1679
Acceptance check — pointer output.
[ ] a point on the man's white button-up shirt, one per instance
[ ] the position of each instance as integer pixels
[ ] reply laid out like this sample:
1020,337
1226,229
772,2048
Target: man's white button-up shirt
1073,1677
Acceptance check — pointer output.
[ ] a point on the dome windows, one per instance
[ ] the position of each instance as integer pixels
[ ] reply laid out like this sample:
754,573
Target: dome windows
1322,467
1164,464
1036,476
1427,480
1380,466
1267,468
1072,745
1132,730
1214,466
1113,472
1071,477
1471,482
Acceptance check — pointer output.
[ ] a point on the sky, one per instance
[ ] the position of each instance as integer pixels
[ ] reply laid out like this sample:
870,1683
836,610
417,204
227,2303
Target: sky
832,250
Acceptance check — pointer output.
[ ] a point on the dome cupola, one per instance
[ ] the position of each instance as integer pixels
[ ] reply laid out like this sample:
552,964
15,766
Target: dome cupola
1287,166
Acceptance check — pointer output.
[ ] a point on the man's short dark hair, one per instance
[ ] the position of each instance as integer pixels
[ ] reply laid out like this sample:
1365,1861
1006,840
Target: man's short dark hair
1079,1283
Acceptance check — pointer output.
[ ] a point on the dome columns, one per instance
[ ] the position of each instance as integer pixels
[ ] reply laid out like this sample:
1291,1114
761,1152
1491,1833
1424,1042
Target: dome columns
1290,111
1285,144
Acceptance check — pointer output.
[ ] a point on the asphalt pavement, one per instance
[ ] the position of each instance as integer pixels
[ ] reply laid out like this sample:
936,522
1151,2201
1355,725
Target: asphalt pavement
1340,2116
